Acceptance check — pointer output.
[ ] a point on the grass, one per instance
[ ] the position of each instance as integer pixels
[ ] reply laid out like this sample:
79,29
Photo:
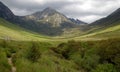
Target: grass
71,56
48,62
92,55
110,32
9,31
4,66
13,32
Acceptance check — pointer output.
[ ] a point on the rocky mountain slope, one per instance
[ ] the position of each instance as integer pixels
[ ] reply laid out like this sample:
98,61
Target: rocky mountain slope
5,12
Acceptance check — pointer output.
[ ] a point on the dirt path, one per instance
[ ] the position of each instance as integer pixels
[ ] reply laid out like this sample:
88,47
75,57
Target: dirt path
13,68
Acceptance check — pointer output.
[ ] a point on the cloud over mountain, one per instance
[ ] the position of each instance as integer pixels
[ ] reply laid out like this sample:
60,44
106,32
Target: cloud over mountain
86,10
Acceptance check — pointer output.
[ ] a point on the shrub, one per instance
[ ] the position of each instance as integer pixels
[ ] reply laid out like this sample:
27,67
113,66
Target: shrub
90,60
104,68
34,52
109,51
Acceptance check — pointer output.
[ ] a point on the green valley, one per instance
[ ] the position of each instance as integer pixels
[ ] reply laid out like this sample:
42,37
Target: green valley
49,41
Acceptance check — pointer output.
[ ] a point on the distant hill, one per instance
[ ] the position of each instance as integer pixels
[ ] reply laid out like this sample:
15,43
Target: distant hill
110,21
113,18
77,21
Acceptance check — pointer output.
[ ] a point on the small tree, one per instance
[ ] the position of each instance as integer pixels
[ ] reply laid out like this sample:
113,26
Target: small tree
34,53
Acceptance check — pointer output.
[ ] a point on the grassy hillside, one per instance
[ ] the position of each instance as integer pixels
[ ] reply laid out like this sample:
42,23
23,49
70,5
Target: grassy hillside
11,31
109,32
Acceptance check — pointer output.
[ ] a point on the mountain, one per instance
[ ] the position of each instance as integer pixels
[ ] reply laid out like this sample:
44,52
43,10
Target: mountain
47,22
5,12
77,21
113,18
48,15
51,16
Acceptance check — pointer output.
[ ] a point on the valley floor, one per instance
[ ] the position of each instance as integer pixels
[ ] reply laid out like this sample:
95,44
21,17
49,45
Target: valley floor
69,56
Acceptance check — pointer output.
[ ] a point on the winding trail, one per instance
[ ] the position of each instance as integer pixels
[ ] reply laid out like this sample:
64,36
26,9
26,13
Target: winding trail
13,68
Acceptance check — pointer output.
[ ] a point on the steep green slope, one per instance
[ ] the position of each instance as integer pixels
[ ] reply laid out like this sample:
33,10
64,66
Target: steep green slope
110,32
106,27
11,31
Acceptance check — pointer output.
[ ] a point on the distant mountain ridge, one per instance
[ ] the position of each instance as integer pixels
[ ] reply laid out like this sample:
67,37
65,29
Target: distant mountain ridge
77,21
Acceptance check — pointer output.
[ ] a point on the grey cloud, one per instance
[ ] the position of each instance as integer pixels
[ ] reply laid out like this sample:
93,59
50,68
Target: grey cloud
82,9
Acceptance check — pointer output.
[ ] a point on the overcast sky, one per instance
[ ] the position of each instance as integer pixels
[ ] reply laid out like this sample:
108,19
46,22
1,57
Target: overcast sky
85,10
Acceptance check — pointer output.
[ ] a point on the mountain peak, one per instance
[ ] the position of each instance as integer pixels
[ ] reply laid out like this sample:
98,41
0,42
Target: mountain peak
49,11
45,13
49,8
